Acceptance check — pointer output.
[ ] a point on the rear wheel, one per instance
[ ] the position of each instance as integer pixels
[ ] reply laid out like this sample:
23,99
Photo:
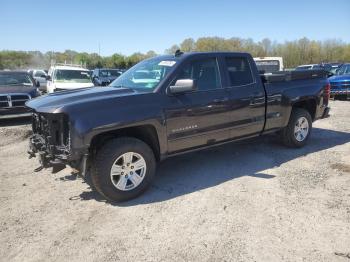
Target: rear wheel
123,169
298,130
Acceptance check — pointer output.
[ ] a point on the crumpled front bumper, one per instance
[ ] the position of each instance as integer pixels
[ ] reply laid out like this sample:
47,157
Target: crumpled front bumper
57,157
49,156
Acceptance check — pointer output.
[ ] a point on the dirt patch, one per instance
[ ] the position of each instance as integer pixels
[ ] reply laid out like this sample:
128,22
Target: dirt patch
11,135
341,167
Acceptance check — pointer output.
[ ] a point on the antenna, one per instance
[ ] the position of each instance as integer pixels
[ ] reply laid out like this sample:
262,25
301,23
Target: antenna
178,52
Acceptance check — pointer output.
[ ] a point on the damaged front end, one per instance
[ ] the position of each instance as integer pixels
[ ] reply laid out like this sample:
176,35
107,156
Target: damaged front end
51,141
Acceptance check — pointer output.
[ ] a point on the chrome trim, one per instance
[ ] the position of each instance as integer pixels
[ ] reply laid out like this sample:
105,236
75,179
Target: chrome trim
10,101
15,115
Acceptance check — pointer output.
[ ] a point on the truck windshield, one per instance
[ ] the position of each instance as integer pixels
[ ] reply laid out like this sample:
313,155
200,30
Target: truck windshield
268,66
74,76
146,74
15,80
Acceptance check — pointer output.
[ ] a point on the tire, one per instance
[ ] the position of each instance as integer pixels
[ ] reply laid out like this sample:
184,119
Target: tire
290,135
113,157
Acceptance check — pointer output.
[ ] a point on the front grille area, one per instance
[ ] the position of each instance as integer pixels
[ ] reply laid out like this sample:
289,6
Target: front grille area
13,100
53,128
340,88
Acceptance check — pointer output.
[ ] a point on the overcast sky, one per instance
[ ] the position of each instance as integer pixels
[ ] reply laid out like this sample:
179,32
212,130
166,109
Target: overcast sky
130,26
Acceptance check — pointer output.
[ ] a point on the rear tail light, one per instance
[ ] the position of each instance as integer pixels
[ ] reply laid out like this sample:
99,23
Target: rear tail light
327,90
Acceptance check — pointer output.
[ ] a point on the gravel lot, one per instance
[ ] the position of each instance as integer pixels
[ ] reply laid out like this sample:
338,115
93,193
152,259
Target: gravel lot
249,201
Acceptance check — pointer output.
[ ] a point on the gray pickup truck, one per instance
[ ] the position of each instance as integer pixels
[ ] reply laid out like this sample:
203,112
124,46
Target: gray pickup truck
170,105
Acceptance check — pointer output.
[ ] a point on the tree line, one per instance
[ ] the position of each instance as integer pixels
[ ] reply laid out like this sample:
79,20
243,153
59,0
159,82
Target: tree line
37,59
294,53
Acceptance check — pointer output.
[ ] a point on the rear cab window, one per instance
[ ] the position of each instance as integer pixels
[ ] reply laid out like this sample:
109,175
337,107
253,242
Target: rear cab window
239,71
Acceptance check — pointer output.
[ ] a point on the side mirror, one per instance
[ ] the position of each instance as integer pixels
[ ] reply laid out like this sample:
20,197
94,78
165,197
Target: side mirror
48,78
329,74
37,83
183,86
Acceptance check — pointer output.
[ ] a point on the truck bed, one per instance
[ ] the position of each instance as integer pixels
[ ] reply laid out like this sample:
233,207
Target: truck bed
293,75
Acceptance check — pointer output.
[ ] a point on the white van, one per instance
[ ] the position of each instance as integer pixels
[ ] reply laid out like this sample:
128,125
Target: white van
67,77
269,64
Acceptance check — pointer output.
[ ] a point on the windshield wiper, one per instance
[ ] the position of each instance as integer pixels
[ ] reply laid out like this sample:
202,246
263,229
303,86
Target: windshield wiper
119,86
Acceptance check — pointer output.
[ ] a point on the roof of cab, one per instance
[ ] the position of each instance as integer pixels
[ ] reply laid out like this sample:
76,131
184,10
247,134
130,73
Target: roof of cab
191,54
66,67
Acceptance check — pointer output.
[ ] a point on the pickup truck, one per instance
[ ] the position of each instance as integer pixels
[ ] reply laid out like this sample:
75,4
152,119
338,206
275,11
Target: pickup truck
16,87
340,82
169,105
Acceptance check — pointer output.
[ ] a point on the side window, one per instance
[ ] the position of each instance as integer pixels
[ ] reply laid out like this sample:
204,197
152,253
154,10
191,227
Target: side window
204,71
239,71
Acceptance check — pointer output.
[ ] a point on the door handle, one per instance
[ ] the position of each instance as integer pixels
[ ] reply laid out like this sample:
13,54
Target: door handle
256,101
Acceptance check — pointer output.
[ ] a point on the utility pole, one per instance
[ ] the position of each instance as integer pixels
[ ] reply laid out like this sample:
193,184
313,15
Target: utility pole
99,54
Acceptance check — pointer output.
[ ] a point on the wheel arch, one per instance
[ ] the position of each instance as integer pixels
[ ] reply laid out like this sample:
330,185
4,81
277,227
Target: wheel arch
146,133
309,105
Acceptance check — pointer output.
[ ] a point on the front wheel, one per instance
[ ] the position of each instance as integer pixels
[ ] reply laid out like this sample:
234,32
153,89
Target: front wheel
123,169
298,130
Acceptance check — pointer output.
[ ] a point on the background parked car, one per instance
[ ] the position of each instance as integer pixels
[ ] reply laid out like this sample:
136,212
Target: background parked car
67,77
335,67
308,67
16,87
105,76
323,66
41,76
340,82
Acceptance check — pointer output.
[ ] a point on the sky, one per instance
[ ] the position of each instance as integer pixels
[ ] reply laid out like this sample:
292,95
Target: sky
139,26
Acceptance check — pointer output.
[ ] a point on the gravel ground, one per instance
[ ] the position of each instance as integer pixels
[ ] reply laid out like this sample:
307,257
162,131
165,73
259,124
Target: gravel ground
249,201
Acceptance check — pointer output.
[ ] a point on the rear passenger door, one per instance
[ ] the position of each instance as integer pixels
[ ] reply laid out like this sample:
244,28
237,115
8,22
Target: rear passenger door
247,97
201,117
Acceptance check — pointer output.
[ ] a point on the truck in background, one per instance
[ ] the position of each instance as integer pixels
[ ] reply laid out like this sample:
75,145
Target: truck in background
268,65
67,77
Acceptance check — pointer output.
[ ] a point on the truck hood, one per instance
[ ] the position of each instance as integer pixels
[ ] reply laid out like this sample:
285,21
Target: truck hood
340,78
56,102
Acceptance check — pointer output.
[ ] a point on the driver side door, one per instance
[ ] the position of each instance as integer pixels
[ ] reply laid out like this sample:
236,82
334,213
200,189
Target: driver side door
200,117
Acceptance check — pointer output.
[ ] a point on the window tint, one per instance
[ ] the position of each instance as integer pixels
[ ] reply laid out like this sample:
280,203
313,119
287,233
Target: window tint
204,71
239,71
